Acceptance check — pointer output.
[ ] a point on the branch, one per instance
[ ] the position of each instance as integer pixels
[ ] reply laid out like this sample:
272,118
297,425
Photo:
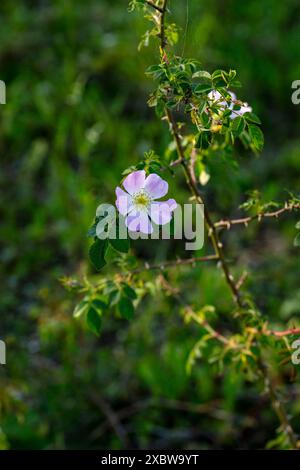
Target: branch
288,332
162,25
288,207
174,263
212,232
156,7
112,418
204,323
277,405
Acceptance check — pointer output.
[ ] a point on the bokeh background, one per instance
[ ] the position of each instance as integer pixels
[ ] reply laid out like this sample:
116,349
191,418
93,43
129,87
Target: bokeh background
75,118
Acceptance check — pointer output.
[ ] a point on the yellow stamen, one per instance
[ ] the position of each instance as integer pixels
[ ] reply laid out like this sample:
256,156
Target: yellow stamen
141,200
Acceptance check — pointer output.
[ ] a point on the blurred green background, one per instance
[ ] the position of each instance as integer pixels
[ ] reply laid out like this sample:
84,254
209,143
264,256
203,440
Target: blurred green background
75,118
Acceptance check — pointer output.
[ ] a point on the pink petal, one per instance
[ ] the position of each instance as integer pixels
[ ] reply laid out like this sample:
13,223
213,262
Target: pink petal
156,186
139,222
161,212
123,202
135,181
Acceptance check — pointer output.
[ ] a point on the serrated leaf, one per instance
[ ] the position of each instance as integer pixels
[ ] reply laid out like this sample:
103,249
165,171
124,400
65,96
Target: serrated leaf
114,297
251,117
202,74
125,308
203,140
257,136
92,230
129,292
98,304
217,74
80,308
97,253
93,320
238,125
297,240
202,88
121,245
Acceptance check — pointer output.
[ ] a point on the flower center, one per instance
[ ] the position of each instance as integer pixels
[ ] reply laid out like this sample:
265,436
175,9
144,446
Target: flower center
141,200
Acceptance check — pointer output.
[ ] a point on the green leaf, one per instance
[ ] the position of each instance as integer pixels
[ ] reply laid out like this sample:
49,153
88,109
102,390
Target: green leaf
202,74
298,225
125,308
80,308
129,292
217,74
92,230
94,320
97,252
257,136
98,304
114,297
203,140
203,88
251,117
297,240
121,245
238,125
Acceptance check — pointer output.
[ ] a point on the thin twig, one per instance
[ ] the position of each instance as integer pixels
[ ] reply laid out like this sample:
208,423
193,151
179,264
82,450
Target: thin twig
241,280
174,263
204,323
212,409
112,418
278,406
156,7
288,207
288,332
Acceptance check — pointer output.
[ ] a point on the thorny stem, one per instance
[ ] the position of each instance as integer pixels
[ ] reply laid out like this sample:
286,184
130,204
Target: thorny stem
153,5
214,333
278,405
288,207
162,25
213,234
177,262
288,332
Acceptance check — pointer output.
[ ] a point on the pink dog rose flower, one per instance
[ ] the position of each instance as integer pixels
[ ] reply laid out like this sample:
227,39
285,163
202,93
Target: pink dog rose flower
138,201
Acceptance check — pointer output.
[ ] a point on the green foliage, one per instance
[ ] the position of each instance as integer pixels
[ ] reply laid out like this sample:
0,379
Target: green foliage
97,253
125,308
93,318
297,238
